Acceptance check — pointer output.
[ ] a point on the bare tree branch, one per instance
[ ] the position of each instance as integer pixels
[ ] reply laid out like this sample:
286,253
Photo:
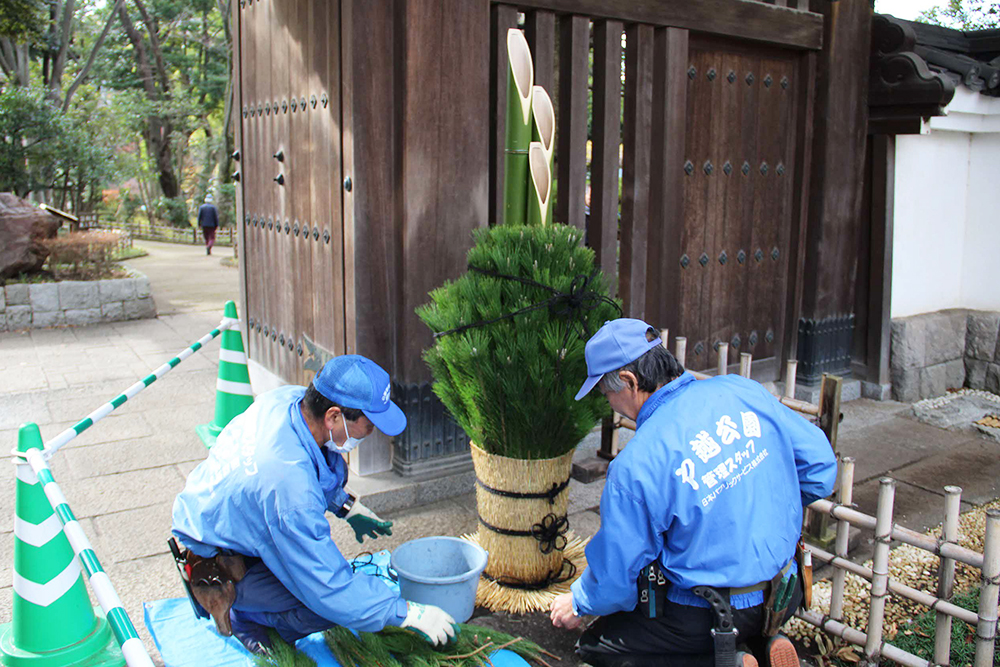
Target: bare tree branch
93,55
65,37
154,44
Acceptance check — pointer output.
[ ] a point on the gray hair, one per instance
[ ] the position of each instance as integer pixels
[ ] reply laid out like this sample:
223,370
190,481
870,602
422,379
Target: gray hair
655,368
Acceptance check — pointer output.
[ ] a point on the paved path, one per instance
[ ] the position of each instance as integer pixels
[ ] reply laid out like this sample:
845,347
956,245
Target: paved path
121,476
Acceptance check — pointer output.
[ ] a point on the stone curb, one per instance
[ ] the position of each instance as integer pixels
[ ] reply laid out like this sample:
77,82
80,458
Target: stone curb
75,303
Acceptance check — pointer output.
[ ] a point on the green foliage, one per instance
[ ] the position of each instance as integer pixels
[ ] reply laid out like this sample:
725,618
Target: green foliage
172,211
964,14
31,139
283,655
22,20
510,384
396,647
918,639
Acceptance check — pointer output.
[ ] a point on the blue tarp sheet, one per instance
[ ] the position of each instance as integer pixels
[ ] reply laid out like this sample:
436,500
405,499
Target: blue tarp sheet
185,640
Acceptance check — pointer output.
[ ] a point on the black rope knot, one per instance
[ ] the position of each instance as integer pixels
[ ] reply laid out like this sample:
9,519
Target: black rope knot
551,533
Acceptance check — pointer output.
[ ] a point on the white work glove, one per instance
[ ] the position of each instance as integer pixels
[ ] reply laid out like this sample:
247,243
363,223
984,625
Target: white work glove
434,623
365,522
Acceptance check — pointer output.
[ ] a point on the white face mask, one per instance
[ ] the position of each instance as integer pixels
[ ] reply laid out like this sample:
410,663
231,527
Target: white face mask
347,446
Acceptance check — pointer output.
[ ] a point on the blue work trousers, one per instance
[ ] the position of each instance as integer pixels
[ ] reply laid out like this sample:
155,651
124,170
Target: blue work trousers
264,600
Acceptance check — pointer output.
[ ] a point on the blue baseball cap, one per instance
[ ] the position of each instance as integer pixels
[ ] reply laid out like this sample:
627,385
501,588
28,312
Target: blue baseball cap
353,381
617,343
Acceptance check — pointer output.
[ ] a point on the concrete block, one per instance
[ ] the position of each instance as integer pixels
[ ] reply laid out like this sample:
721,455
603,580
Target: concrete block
981,335
907,343
954,374
944,336
140,309
906,384
3,320
933,381
992,378
590,469
43,319
17,295
44,297
876,391
81,316
79,295
112,312
3,300
18,317
142,289
975,373
120,289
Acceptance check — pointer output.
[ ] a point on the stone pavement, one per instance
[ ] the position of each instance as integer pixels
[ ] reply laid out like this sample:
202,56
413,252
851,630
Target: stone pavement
120,477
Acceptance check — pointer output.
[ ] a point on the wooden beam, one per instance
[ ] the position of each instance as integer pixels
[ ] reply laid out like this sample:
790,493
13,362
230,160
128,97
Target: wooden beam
502,18
571,140
635,190
602,228
540,31
744,19
880,262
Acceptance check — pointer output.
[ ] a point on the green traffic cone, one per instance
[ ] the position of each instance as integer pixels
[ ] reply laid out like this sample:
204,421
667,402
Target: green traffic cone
53,622
232,390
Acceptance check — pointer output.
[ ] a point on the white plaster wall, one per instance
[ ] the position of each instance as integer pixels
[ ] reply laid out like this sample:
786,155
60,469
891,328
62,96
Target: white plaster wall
929,232
981,259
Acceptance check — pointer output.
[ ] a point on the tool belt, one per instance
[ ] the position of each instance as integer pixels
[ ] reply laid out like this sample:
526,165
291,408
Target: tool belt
210,583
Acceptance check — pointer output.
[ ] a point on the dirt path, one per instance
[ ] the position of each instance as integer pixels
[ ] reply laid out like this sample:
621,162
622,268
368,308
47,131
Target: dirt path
184,279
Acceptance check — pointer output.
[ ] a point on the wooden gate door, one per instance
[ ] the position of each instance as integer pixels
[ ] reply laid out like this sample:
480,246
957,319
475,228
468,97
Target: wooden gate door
293,235
734,256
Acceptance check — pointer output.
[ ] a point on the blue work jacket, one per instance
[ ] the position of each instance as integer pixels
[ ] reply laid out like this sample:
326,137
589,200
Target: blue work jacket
263,492
712,486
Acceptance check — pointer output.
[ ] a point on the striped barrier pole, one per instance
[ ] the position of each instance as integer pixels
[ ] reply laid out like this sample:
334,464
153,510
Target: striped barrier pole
121,625
233,394
53,445
52,620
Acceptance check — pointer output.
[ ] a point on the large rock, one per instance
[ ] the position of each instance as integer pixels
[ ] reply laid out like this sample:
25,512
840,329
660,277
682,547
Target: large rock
23,227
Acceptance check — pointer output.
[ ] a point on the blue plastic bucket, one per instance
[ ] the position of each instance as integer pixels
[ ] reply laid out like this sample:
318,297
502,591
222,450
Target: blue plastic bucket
442,571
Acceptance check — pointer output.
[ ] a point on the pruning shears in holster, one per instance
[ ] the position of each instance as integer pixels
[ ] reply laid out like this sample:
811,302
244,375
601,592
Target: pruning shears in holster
210,583
724,632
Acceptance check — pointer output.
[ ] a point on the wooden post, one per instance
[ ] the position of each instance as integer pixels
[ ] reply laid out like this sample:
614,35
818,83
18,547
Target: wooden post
845,496
609,438
946,575
723,358
745,360
880,569
790,371
818,525
987,630
680,349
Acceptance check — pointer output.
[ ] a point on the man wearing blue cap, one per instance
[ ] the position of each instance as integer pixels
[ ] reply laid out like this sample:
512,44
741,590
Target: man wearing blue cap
708,493
258,549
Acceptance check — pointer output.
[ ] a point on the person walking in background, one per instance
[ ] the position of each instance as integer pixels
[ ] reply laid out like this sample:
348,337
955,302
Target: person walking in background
208,219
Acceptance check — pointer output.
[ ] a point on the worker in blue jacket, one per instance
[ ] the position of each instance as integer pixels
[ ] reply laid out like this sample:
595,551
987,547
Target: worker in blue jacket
251,517
709,492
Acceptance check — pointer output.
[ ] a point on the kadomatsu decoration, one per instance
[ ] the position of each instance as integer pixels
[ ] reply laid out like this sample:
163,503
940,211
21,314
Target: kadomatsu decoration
508,359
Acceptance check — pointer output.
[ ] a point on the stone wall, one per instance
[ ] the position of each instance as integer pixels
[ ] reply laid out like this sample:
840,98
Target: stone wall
74,302
947,349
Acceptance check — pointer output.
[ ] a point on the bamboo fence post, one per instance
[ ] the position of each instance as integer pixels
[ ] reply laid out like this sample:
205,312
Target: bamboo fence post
723,358
665,338
946,575
790,370
745,360
880,570
845,496
680,349
986,632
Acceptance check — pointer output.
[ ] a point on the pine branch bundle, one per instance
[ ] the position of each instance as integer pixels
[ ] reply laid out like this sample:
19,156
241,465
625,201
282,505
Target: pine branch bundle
395,647
510,384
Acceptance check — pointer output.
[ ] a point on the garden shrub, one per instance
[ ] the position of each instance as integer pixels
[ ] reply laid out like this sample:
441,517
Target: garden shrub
82,255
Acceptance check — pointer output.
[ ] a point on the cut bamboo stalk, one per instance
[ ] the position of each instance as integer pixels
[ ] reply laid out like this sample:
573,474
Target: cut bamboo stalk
946,575
745,360
723,358
844,565
665,338
790,370
540,190
680,349
987,631
857,637
901,534
543,126
520,82
845,496
880,569
800,406
625,422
